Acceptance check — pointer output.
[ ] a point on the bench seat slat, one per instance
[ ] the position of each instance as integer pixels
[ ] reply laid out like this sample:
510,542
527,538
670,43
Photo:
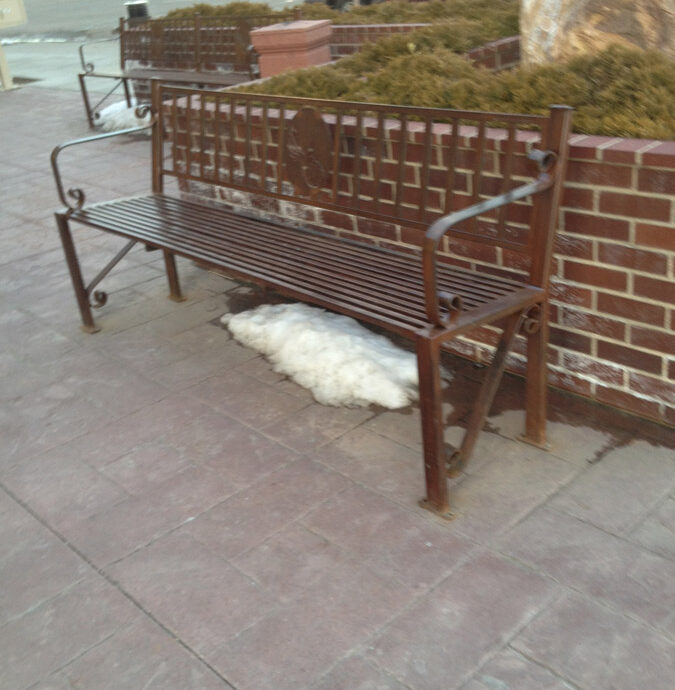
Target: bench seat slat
345,261
297,261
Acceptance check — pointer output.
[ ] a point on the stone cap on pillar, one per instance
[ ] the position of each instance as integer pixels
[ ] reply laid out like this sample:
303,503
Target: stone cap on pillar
301,33
291,45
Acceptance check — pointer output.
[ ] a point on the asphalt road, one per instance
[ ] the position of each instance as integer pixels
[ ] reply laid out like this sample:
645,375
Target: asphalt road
71,19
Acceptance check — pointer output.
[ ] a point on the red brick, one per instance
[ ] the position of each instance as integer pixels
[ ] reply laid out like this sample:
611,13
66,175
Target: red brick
628,257
515,260
630,357
601,174
569,294
592,274
660,290
576,198
570,341
593,323
577,247
635,310
473,250
597,226
635,206
337,220
412,236
628,402
389,171
671,369
453,261
669,416
515,365
587,148
648,385
660,236
438,178
624,150
661,156
651,339
376,228
608,373
657,181
569,382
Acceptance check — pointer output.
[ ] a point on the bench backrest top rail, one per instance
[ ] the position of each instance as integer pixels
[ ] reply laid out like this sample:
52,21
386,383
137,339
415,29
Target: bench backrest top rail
190,42
405,166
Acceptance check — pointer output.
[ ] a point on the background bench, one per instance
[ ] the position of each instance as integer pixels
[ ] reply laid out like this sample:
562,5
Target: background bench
206,51
303,196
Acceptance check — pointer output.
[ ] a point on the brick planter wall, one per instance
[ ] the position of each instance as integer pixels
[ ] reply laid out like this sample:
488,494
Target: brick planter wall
348,39
498,55
613,287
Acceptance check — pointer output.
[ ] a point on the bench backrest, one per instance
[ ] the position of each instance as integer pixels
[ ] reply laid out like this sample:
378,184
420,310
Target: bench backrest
374,170
192,43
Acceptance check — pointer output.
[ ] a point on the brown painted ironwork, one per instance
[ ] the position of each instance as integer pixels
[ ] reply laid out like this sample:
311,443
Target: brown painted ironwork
369,162
308,151
209,51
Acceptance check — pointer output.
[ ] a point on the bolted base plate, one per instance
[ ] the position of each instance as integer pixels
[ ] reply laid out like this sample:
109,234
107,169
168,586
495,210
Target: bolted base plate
90,329
445,514
525,439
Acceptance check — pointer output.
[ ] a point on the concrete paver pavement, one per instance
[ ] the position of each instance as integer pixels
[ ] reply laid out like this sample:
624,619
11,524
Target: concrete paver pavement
166,524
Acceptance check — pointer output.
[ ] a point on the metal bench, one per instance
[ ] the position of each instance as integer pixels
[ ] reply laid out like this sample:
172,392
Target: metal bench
204,51
363,205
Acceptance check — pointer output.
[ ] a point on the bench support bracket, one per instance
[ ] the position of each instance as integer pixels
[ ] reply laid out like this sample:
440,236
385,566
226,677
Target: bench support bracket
459,458
81,295
535,382
92,110
175,293
442,460
429,369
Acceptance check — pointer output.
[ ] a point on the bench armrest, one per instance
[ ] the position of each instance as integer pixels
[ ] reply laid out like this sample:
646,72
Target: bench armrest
435,300
88,67
75,193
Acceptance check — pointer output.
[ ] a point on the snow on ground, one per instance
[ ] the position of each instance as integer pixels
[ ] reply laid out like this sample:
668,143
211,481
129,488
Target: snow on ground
117,116
340,361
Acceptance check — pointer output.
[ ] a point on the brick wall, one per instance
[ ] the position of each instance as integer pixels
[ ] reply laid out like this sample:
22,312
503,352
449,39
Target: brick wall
348,39
613,282
498,55
614,287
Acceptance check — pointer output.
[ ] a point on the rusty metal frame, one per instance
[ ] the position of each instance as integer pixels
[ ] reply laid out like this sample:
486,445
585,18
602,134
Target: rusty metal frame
437,304
77,194
84,292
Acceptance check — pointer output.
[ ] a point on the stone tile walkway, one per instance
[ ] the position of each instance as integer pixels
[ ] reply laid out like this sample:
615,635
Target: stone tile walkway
175,515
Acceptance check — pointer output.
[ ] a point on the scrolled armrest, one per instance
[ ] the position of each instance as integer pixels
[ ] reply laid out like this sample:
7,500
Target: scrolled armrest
451,304
77,194
88,67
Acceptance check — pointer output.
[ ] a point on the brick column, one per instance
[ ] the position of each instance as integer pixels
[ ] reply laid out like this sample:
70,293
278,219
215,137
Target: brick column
291,45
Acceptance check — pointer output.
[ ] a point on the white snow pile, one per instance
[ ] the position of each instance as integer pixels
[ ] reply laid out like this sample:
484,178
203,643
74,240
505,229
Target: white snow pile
117,116
340,361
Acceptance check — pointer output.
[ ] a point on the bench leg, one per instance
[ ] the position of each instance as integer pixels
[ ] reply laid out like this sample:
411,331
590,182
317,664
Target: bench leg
486,395
428,366
85,100
172,276
127,93
535,383
88,324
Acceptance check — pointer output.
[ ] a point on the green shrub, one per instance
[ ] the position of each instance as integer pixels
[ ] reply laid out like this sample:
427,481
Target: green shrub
618,92
502,13
234,9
